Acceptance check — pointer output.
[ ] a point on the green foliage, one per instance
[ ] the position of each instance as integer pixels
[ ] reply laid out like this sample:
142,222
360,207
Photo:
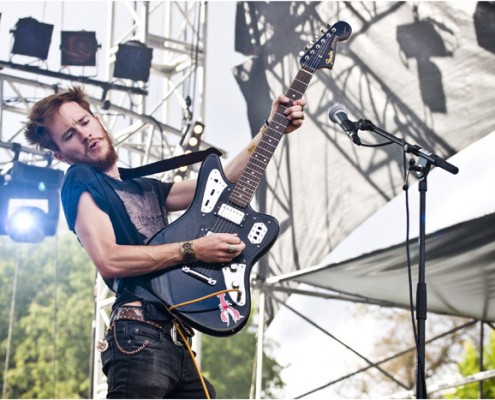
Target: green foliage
51,340
469,365
229,363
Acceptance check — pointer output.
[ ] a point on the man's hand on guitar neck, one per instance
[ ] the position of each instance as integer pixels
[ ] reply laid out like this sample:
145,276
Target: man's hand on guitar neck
294,111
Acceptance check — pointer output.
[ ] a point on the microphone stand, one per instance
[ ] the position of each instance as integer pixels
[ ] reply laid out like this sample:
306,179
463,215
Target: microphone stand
422,168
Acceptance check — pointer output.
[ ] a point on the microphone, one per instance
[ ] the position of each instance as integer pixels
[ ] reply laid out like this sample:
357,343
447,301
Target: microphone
338,114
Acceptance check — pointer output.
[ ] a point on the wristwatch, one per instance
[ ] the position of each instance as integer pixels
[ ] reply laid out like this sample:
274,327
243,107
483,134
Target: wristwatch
187,251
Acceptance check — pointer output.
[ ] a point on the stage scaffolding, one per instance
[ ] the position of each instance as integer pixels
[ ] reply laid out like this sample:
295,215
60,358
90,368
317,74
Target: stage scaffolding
148,121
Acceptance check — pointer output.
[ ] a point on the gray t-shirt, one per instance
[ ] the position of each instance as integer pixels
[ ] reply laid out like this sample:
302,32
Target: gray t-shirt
136,208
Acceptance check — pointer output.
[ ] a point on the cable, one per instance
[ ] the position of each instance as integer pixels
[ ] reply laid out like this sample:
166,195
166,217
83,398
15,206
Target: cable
405,187
11,323
189,349
55,315
408,255
183,337
186,303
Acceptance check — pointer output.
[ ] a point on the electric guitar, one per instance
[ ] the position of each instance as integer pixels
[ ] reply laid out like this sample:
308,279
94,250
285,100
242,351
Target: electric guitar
215,298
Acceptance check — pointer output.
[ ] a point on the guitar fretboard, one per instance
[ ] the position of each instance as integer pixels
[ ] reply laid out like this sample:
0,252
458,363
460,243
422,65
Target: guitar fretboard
251,176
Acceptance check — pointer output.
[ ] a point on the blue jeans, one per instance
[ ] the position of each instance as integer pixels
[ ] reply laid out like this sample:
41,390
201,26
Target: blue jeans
149,365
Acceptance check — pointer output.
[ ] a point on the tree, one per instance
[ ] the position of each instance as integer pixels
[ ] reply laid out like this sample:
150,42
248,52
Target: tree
51,346
51,343
469,365
229,362
440,355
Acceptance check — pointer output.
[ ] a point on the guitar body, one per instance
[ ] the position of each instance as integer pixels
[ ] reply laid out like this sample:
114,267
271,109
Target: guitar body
211,211
218,295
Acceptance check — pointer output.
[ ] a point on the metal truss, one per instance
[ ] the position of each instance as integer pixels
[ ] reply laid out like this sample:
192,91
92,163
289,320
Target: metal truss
147,121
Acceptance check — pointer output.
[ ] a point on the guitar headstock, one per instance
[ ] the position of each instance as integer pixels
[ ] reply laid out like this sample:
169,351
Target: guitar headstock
322,53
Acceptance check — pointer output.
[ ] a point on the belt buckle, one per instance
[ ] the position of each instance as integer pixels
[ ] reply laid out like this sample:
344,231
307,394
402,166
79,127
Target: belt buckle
175,338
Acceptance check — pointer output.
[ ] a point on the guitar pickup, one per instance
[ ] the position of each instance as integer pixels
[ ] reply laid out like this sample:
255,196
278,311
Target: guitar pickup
231,214
257,233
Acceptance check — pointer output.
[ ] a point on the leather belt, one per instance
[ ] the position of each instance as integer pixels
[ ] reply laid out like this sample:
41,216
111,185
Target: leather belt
135,313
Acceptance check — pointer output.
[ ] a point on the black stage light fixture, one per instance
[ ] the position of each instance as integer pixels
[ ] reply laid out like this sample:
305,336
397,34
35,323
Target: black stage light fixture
191,146
196,137
78,48
30,203
133,61
32,38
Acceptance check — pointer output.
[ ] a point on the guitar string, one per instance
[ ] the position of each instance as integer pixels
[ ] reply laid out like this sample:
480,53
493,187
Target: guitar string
299,86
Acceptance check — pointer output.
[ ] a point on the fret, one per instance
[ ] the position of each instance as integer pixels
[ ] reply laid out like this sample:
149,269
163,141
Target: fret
321,55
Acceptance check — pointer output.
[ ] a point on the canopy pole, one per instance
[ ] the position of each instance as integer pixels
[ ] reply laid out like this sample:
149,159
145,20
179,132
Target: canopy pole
259,349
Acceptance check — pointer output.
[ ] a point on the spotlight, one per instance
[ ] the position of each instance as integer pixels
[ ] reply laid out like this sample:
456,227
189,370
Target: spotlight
192,145
133,61
30,203
198,128
25,224
32,38
196,136
78,48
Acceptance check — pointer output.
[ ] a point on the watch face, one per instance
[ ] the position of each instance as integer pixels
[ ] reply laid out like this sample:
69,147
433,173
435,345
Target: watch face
188,253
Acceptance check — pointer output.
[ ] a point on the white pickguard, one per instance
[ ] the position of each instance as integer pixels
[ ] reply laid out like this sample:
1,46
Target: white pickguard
215,185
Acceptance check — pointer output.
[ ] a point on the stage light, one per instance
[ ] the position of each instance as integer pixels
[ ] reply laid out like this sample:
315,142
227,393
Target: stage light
133,61
192,145
25,224
32,38
78,48
30,203
198,128
196,137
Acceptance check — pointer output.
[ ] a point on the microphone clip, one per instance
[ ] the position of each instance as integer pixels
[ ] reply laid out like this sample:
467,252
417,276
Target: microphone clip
364,125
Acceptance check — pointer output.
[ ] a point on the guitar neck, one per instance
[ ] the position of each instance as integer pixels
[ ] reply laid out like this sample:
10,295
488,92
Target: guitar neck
251,176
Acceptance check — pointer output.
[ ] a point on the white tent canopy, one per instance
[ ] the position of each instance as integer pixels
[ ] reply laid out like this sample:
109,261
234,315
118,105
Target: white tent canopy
460,255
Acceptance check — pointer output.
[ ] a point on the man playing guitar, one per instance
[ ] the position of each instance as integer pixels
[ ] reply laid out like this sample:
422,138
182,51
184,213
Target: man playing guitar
115,220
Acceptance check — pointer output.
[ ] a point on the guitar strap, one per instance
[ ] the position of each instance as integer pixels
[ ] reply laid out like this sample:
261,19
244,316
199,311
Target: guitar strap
168,164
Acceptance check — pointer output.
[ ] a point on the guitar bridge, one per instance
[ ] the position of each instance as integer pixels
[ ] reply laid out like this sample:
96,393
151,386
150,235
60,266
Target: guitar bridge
198,275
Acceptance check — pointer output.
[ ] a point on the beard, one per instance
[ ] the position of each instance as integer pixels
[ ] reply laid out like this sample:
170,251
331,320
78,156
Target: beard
102,163
108,160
